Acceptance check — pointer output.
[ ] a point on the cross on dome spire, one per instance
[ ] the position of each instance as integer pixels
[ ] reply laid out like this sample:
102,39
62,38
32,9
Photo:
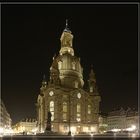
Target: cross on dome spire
66,40
92,74
66,23
44,77
66,28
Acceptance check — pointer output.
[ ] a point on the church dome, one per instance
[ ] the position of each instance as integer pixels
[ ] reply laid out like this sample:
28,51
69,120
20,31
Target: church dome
66,66
63,101
70,71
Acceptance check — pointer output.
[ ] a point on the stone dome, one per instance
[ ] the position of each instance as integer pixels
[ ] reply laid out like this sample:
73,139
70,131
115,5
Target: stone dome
70,71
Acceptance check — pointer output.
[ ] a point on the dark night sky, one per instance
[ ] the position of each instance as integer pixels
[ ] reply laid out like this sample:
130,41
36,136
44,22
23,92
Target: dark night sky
104,35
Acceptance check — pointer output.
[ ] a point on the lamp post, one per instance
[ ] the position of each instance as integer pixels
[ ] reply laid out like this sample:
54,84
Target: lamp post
69,133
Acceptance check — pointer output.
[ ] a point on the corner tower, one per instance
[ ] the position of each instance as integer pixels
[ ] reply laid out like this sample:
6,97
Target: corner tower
92,82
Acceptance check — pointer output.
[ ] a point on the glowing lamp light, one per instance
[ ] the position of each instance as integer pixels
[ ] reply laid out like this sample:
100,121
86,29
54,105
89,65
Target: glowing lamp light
116,130
91,134
93,129
73,130
133,127
72,134
1,130
85,129
114,134
6,132
34,130
133,135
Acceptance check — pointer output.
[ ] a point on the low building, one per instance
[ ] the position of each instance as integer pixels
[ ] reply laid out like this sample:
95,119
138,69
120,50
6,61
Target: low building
5,119
132,120
116,119
123,120
26,126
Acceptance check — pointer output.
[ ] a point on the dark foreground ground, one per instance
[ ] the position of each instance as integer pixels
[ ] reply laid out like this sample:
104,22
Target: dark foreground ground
68,138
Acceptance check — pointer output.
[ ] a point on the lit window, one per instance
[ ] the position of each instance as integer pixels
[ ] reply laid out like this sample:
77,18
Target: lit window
64,107
73,65
78,115
78,112
65,128
64,117
59,65
76,84
91,89
52,118
52,109
89,109
64,111
78,108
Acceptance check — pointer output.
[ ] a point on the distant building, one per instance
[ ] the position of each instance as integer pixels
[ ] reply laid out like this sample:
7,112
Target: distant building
116,119
26,126
132,119
123,120
5,119
72,107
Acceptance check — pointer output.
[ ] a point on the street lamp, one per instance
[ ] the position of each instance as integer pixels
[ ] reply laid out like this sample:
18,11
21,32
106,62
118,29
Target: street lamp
69,133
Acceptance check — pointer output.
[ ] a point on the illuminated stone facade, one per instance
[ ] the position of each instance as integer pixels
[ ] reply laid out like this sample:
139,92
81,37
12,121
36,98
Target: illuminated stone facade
123,120
5,119
26,126
73,108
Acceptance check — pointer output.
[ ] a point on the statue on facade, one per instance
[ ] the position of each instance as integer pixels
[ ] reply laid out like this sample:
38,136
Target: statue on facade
67,41
48,128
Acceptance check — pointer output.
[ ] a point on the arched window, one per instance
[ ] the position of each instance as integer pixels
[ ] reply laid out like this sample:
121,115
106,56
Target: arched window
89,109
91,89
59,65
64,107
73,65
64,111
76,84
52,109
78,112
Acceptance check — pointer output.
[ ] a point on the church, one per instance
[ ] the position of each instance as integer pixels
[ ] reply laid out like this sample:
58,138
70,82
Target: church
73,109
